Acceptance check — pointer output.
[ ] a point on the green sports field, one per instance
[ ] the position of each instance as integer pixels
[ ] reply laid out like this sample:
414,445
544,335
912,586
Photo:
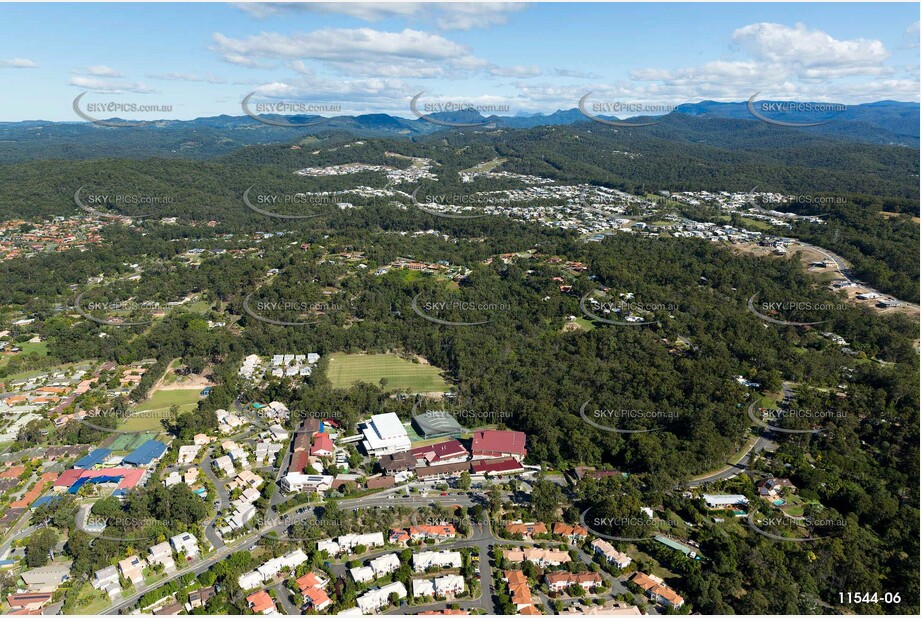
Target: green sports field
130,441
347,369
148,415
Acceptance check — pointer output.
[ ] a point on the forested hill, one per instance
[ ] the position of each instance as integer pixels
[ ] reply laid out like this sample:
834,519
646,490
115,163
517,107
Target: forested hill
730,125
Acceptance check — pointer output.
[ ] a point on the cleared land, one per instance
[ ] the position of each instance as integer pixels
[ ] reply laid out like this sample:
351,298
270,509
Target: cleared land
148,415
347,369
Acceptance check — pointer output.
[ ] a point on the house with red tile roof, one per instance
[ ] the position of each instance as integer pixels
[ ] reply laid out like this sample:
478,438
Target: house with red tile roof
322,445
261,603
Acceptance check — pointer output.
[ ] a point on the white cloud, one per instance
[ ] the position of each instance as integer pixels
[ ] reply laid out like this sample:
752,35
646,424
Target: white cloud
359,51
515,71
99,70
445,15
18,63
188,77
469,15
910,36
109,86
801,46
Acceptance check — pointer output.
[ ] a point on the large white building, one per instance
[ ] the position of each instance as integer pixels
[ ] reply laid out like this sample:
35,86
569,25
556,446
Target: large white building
371,601
384,435
442,559
296,482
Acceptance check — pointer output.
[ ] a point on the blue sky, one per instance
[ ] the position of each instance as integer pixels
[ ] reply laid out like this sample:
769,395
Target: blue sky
202,59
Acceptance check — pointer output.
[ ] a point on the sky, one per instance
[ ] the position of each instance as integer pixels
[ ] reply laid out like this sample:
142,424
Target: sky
202,59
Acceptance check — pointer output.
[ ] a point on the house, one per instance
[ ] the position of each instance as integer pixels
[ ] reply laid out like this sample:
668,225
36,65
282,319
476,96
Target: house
573,534
261,603
561,581
187,454
526,530
322,445
610,608
438,533
201,439
103,578
384,565
398,537
423,588
611,555
161,553
448,585
373,600
540,557
170,609
773,487
316,599
185,543
655,589
132,569
199,598
362,574
494,444
271,568
310,580
29,601
440,559
348,542
296,482
518,589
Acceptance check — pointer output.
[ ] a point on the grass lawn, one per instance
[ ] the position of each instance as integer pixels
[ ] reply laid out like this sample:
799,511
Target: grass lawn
347,369
157,407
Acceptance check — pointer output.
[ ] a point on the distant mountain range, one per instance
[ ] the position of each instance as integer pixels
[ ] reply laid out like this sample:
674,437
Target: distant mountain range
884,122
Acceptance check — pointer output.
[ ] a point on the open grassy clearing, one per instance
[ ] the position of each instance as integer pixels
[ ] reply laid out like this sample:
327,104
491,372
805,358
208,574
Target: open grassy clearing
347,369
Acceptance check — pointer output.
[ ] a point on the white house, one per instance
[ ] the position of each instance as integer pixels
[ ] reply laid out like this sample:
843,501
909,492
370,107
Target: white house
185,543
373,600
384,565
441,559
161,553
600,546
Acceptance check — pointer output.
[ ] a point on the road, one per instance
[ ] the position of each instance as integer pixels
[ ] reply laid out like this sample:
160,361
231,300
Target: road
223,495
220,554
762,443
